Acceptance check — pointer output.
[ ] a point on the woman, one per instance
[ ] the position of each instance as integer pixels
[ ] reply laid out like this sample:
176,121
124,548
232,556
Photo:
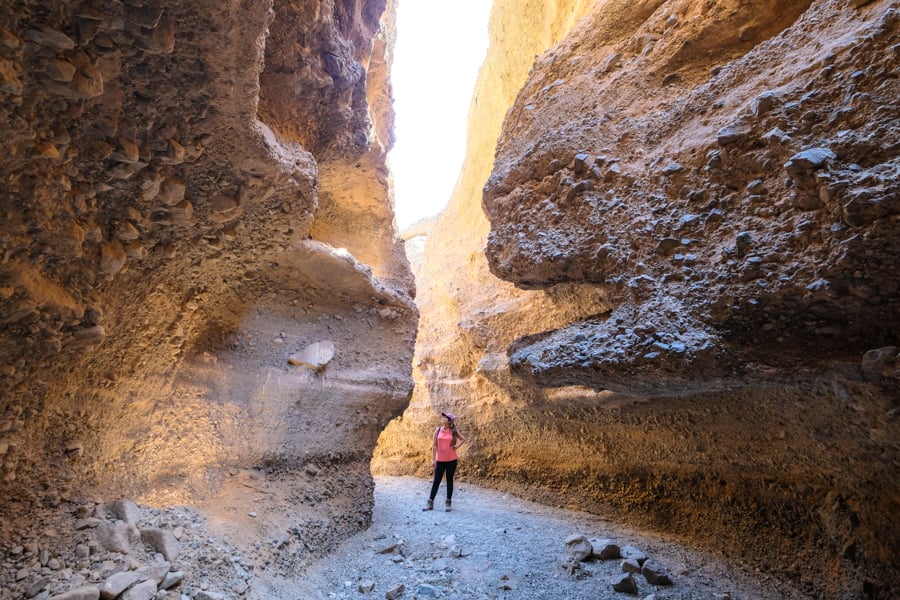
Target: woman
443,457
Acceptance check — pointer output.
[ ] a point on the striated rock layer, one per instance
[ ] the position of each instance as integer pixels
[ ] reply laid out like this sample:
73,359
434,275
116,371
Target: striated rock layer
693,210
194,197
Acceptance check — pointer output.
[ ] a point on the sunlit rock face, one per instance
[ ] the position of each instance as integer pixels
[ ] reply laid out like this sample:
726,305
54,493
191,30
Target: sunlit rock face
693,211
194,195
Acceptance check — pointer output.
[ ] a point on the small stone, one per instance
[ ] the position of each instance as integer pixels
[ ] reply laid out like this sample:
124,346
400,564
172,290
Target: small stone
88,592
733,132
117,583
630,565
611,62
775,135
578,547
743,241
366,586
606,549
580,160
808,160
392,549
624,583
655,573
395,592
427,591
37,587
87,523
161,541
764,103
672,168
315,356
171,579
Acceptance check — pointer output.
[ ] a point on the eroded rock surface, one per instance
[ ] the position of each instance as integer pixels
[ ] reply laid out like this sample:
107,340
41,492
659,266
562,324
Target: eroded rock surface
692,204
174,183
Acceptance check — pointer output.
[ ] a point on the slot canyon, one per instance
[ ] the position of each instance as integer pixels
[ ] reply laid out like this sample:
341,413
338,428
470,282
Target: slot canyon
665,288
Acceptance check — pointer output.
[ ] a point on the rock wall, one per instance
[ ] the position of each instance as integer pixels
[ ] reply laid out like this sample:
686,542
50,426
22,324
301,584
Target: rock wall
200,273
691,210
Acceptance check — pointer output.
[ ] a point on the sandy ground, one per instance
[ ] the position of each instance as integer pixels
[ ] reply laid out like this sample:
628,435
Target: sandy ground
492,545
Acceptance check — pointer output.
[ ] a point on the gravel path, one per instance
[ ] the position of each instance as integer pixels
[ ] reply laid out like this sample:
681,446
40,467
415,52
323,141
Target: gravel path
493,545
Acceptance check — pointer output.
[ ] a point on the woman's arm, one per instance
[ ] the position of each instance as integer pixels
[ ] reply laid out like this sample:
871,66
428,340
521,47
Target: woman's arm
434,448
460,440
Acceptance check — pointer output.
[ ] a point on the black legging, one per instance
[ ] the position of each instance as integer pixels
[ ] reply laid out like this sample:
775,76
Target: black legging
439,469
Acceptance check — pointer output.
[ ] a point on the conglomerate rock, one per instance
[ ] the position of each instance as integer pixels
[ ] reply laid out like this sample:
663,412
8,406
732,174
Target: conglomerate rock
694,207
169,187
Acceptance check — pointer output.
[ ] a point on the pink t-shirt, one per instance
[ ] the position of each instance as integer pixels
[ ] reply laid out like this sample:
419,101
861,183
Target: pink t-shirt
444,439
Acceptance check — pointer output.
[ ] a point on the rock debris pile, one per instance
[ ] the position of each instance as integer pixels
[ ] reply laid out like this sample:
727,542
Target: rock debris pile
580,548
120,550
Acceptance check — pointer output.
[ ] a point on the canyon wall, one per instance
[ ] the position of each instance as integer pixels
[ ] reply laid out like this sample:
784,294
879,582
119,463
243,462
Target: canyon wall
666,288
201,276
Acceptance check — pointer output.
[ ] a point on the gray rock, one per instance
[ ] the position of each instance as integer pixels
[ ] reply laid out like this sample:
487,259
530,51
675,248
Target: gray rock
366,586
775,136
392,549
118,583
733,132
630,565
580,160
655,573
764,103
427,591
611,62
155,572
605,549
634,554
395,592
578,547
171,579
315,356
743,241
624,583
87,523
808,160
145,590
672,168
88,592
161,541
126,510
116,537
37,587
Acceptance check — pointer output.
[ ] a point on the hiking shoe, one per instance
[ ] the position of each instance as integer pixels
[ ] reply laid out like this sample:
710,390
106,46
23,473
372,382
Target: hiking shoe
429,506
447,506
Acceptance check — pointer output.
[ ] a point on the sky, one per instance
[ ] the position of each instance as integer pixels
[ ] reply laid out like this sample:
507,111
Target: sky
440,47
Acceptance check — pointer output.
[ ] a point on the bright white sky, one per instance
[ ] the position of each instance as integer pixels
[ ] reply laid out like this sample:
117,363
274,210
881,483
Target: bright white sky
440,47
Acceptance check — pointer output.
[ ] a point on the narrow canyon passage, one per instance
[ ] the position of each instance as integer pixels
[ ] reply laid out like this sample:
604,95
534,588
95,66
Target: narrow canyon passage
663,292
